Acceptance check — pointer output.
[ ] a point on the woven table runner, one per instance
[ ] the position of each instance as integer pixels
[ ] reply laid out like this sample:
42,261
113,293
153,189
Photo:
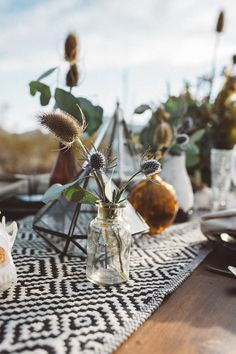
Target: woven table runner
54,309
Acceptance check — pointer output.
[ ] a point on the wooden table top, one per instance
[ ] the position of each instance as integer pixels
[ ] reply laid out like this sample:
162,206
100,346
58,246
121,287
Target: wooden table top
199,317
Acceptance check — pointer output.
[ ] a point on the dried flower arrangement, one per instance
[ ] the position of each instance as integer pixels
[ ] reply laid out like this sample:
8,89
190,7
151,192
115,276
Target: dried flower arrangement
208,124
68,131
109,241
161,135
64,99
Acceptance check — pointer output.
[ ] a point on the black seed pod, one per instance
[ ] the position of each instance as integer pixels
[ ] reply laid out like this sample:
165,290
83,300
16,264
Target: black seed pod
97,161
182,139
150,167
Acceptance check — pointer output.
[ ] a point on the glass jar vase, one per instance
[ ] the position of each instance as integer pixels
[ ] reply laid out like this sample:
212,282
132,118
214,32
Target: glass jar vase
108,246
221,168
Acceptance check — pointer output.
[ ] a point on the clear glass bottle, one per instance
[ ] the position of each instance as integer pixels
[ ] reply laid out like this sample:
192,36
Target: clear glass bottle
108,246
221,174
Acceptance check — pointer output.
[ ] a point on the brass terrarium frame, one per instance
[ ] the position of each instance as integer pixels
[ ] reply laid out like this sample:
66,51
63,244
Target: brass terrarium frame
64,224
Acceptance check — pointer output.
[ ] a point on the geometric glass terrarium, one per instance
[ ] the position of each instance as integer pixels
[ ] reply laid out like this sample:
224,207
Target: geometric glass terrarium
63,224
118,138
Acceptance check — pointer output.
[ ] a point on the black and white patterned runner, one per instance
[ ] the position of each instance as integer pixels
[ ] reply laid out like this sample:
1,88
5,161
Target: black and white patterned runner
54,309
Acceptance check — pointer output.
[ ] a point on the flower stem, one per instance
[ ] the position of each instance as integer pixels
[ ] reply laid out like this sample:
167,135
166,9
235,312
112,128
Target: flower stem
126,185
85,150
119,245
100,183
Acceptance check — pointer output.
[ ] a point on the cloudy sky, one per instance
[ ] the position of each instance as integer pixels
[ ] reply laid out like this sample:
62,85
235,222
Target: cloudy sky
129,49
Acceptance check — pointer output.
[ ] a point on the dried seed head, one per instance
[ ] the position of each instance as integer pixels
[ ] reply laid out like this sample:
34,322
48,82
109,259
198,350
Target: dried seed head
163,135
234,59
150,167
97,161
220,22
72,76
64,126
161,114
71,48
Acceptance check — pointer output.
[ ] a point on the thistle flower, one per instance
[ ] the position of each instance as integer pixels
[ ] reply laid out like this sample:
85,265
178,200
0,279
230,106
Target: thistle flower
182,139
71,48
72,76
64,126
97,161
220,22
150,167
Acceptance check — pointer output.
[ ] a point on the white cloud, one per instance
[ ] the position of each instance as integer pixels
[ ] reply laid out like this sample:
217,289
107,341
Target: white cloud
155,40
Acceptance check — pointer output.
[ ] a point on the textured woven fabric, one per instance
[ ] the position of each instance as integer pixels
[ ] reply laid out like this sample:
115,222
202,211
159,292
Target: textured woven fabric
54,309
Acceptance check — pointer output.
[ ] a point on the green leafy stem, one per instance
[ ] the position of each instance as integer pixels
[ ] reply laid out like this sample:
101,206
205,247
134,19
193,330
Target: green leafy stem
67,102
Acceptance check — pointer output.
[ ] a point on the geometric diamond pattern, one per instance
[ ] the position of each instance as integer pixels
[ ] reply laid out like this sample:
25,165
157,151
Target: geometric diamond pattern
54,309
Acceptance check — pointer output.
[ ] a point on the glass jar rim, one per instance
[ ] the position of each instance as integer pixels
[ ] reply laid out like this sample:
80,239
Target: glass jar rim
111,205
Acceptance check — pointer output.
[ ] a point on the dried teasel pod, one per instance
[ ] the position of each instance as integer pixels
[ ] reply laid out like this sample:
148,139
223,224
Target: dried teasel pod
220,22
71,48
234,59
72,76
161,114
163,135
64,126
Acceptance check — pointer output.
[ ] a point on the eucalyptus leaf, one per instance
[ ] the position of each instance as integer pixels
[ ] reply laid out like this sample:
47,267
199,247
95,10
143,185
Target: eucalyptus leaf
176,106
47,73
142,108
44,90
175,150
191,160
197,135
68,103
93,114
79,195
55,191
192,149
146,139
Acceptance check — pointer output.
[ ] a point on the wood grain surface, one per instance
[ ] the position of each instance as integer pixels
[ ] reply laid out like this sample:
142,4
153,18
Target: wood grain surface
199,317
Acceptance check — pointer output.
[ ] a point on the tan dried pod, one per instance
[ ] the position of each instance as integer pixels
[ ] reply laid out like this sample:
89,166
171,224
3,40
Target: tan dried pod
161,114
163,135
71,48
64,126
2,255
72,76
220,22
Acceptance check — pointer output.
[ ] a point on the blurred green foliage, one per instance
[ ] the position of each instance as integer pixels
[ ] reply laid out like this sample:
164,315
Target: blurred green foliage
214,124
